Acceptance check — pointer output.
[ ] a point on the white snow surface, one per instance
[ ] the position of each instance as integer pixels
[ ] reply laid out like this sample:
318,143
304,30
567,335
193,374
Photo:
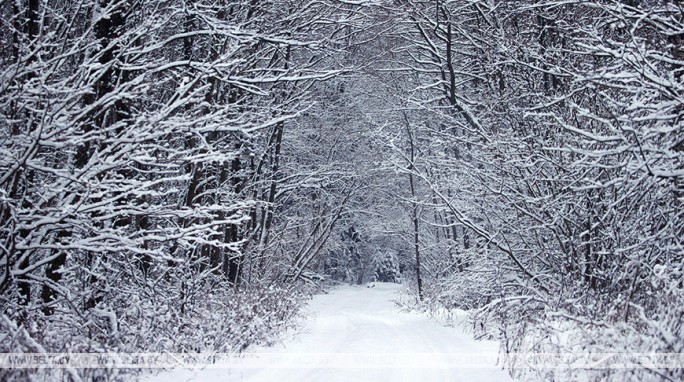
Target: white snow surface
362,322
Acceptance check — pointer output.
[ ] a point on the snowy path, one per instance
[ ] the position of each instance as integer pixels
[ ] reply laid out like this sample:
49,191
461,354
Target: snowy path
363,323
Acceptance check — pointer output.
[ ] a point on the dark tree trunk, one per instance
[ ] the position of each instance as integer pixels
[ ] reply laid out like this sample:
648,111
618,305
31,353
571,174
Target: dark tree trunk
414,212
106,30
24,177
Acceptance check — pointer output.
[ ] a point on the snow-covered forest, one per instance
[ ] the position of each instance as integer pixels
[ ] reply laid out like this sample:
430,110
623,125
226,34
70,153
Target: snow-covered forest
181,175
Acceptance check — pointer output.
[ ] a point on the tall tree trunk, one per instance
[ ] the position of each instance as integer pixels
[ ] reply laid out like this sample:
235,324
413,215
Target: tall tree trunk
24,176
414,211
106,30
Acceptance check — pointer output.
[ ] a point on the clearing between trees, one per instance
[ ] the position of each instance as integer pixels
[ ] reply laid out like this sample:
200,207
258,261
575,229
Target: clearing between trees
366,325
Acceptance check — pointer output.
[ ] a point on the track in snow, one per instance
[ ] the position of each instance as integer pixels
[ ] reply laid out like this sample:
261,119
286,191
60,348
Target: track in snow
363,324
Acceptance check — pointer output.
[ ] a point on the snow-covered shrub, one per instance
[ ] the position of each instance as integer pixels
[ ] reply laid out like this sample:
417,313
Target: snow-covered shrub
222,320
571,321
579,322
386,268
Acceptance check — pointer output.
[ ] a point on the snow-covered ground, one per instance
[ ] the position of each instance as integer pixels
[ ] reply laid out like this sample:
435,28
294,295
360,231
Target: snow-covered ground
362,336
